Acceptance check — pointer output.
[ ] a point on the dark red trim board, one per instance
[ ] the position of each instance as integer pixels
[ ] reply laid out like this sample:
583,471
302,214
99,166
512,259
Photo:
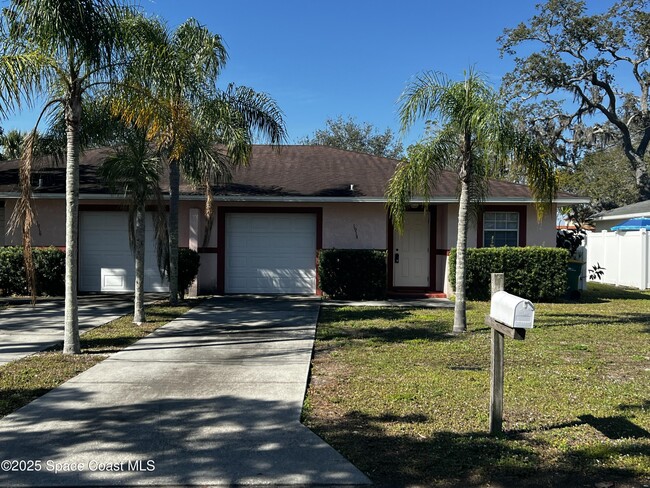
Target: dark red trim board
522,209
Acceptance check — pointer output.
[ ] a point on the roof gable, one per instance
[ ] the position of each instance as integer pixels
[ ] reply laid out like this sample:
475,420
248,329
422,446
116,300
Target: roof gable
639,209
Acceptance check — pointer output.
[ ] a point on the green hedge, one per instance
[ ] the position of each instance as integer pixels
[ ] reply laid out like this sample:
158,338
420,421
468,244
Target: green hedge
352,274
535,273
188,267
50,271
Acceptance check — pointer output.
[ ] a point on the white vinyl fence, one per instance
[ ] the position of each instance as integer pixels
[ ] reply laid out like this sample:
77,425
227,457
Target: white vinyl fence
625,255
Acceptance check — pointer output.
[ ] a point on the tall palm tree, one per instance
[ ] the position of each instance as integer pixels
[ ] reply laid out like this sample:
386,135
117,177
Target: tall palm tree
174,71
134,170
473,136
59,51
172,90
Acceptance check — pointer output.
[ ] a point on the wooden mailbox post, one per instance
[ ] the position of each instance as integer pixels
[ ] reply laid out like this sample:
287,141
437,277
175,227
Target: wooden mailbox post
499,331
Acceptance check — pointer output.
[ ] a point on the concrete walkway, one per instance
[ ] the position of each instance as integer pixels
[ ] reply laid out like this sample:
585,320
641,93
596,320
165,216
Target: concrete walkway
213,398
25,330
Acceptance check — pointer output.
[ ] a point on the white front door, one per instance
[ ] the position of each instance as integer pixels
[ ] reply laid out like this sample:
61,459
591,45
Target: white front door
411,251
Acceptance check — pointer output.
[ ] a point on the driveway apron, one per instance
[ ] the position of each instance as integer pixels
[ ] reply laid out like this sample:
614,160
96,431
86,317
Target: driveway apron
213,398
26,329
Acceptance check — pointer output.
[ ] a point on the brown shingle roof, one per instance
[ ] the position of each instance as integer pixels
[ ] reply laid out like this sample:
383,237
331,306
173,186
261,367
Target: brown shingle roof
288,171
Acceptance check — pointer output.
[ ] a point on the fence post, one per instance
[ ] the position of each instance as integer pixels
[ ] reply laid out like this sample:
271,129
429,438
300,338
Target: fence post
618,258
496,370
644,260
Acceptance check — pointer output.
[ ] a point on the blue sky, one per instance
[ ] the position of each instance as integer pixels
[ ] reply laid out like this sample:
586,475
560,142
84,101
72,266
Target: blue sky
328,58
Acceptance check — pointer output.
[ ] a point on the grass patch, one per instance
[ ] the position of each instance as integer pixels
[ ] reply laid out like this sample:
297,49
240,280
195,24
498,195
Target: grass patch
408,403
28,378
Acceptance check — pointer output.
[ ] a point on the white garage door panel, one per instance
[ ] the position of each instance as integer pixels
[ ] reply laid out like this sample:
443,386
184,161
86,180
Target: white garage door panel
105,259
271,253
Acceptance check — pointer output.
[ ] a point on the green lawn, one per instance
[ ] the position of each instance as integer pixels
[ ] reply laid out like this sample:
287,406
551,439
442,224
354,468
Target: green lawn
26,379
407,402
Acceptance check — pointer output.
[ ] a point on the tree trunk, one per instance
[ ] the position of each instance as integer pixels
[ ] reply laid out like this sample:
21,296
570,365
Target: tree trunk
641,176
460,306
138,305
174,183
71,343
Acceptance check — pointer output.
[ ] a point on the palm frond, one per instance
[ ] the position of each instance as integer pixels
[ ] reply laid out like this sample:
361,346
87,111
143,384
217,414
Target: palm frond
134,171
258,111
418,175
421,98
24,75
24,215
81,31
199,50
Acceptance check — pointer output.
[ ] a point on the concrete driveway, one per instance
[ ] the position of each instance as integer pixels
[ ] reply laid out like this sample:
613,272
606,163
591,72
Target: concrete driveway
213,398
25,330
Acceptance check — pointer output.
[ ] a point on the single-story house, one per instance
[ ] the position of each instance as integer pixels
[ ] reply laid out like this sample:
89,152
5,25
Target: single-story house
611,218
275,216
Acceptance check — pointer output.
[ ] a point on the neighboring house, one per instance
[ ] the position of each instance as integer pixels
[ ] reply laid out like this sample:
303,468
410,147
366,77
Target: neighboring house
610,218
274,217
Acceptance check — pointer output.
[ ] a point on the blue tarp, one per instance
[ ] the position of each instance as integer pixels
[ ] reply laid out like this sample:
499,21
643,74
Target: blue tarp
634,224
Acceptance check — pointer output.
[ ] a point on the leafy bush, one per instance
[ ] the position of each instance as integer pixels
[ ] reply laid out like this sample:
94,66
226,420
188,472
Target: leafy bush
535,273
50,271
352,274
188,267
12,271
570,239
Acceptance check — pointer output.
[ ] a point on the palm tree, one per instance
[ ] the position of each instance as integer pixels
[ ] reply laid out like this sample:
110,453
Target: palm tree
134,170
473,136
172,90
59,51
12,144
174,71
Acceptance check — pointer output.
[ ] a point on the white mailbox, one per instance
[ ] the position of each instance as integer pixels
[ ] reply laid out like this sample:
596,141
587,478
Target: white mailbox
512,310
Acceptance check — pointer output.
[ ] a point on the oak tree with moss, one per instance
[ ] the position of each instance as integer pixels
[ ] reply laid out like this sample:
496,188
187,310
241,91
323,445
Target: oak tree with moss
601,61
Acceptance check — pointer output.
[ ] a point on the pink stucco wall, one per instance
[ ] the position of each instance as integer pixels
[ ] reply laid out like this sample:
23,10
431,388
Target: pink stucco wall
50,215
538,233
345,226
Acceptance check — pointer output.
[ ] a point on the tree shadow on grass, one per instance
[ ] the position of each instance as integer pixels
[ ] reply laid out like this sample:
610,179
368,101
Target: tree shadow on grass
549,319
393,326
604,294
388,334
643,405
330,314
435,331
449,459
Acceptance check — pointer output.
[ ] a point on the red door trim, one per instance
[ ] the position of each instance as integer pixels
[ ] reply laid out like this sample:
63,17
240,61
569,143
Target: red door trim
432,255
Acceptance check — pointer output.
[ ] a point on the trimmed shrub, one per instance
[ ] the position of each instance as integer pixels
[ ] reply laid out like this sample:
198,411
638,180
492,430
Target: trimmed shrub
12,271
50,271
535,273
188,267
352,274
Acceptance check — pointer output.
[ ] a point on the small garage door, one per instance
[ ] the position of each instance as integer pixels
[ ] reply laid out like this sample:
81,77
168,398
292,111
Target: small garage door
105,258
270,253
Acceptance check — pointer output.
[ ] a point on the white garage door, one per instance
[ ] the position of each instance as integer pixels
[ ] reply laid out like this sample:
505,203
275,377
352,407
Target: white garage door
105,258
270,253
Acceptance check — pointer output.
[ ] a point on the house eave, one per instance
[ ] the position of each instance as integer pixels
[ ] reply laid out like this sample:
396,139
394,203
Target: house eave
299,199
622,216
